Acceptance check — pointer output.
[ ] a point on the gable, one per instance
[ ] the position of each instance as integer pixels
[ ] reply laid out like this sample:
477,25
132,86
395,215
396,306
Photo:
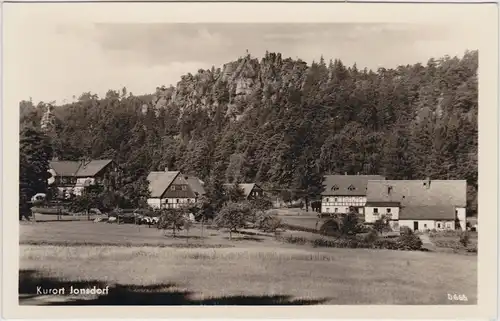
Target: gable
160,181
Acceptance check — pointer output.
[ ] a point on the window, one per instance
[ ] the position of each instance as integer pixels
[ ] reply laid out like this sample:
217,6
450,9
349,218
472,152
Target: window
327,200
375,210
328,210
388,210
335,200
439,225
335,188
336,210
184,187
172,188
425,225
448,225
177,200
351,188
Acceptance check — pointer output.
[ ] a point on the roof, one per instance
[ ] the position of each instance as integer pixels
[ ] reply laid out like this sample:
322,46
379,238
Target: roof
383,204
427,213
65,168
415,193
246,187
93,167
338,185
77,169
196,185
160,181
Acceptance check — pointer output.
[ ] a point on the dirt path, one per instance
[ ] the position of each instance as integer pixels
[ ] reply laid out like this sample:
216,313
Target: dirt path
426,242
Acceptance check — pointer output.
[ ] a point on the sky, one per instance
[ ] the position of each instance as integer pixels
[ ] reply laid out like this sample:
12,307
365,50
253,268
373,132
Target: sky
61,59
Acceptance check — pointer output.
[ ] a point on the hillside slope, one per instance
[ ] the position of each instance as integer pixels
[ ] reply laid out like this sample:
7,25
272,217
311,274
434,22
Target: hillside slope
280,121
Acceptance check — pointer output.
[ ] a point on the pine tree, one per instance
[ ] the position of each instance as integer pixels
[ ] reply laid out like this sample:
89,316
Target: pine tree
35,151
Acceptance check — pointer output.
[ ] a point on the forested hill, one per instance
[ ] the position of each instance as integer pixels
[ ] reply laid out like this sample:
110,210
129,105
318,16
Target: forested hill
279,121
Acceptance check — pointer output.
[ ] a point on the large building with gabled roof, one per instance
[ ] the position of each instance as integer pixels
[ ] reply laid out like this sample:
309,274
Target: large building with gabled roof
418,204
171,189
74,176
343,192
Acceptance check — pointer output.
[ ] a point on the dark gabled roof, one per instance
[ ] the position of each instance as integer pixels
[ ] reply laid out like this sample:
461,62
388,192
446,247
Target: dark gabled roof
382,204
93,167
246,187
414,193
65,168
339,185
427,213
79,169
196,185
160,181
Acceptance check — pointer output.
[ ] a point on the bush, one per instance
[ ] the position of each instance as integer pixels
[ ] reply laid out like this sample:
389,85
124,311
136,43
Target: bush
464,239
295,240
268,222
409,241
371,236
291,227
472,249
349,224
330,228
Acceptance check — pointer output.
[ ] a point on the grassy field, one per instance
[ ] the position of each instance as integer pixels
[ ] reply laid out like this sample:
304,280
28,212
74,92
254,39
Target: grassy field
253,268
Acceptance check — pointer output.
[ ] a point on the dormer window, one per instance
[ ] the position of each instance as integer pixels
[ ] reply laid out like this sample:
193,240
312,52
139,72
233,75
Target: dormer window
335,188
351,188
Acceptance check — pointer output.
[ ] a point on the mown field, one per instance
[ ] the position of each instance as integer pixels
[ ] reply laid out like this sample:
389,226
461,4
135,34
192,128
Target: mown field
143,266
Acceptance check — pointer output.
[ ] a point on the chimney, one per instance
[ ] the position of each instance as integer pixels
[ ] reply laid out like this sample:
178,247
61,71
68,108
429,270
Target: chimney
357,173
345,173
166,169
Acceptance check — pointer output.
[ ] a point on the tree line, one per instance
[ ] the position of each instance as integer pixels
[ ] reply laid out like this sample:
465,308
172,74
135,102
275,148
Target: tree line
281,123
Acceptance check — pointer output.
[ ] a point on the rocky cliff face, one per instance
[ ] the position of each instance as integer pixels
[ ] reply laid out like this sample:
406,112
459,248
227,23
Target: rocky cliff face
228,89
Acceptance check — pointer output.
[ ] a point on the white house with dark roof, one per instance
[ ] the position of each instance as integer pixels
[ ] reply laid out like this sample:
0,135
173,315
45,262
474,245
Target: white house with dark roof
73,176
418,204
171,189
344,191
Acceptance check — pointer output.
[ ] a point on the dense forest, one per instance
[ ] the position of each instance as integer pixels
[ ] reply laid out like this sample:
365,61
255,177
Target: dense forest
284,123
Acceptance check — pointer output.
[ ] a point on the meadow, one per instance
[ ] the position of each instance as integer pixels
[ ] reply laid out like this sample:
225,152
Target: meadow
145,265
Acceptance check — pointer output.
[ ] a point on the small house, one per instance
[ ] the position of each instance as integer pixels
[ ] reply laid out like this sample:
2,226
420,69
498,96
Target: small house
171,189
250,190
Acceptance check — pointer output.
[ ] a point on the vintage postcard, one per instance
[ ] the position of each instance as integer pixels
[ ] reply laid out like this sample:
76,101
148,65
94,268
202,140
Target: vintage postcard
300,160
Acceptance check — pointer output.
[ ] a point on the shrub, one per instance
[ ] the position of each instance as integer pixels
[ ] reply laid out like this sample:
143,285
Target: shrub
330,228
295,240
233,216
371,236
409,241
268,222
349,224
292,227
405,230
464,239
472,249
